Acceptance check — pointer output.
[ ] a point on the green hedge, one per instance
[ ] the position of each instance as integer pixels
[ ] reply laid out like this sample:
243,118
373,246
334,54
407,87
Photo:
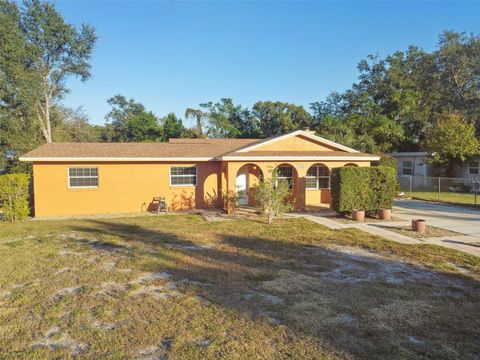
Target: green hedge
14,195
363,188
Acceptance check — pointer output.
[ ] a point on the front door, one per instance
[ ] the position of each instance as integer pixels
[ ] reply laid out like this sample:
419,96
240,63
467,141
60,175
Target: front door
242,187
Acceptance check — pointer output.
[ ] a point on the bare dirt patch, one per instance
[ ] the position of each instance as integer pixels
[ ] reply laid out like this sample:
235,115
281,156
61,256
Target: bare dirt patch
55,338
431,231
74,290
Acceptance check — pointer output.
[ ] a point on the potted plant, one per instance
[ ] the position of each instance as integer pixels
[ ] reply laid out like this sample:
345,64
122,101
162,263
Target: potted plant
358,215
385,214
419,225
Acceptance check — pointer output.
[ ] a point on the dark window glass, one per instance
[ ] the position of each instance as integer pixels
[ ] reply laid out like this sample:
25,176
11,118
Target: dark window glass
183,175
83,177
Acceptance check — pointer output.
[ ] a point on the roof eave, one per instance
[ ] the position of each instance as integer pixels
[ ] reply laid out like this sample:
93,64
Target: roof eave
300,158
112,159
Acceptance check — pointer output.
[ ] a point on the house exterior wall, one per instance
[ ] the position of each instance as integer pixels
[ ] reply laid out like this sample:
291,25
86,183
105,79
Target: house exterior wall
123,187
130,187
422,169
463,171
297,143
420,166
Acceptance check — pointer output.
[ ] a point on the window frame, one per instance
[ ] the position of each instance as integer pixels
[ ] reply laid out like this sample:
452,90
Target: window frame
410,168
292,182
183,185
477,167
89,177
317,178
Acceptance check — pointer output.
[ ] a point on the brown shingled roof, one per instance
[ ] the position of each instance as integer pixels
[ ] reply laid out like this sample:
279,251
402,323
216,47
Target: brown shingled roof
188,148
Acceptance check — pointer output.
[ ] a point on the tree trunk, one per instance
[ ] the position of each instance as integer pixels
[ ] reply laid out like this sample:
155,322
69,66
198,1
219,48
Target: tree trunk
199,125
270,217
47,119
43,117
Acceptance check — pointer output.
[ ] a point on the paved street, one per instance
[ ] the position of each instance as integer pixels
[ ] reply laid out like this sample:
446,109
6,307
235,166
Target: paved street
454,218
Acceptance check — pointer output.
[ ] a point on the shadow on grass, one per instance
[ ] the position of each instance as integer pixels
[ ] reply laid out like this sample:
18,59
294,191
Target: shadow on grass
355,301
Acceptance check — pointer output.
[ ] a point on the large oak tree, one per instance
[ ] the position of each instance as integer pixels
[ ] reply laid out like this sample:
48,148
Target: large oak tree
40,50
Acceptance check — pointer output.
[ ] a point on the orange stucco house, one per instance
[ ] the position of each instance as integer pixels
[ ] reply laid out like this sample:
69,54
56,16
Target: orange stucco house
96,178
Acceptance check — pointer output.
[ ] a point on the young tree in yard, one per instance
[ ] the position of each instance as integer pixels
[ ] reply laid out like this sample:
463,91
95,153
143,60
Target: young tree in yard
273,197
451,141
51,50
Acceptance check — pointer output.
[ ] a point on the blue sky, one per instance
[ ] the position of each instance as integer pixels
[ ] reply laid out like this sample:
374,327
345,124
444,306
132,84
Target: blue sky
174,55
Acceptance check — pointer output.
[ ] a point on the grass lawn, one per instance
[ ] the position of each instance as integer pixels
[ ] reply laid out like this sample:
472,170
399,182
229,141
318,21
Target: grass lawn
179,287
448,197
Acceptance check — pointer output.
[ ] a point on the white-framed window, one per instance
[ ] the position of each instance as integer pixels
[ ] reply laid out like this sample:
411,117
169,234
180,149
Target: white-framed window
83,177
285,173
474,167
407,167
318,177
183,176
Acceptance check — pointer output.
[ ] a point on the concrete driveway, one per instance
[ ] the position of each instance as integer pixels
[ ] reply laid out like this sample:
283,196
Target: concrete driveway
454,218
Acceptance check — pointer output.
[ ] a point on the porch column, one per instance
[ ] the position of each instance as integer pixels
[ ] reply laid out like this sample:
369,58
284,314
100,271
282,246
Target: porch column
300,194
231,190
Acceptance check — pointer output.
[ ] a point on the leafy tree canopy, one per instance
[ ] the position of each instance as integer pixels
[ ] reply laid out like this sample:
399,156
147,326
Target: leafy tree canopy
172,127
143,127
227,120
407,91
276,118
451,140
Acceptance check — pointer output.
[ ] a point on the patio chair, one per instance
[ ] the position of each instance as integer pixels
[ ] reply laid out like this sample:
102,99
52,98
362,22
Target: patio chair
161,204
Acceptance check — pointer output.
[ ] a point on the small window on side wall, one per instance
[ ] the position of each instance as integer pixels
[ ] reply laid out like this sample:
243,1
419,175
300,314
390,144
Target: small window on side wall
83,177
474,168
407,167
183,176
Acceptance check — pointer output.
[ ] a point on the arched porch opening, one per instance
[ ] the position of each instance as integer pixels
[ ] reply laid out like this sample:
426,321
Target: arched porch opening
317,186
350,165
286,172
247,178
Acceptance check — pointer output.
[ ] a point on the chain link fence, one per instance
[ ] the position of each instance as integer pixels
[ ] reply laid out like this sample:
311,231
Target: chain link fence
451,190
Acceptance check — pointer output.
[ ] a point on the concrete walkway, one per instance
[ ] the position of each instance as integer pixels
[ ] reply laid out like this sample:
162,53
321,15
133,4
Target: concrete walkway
369,228
465,243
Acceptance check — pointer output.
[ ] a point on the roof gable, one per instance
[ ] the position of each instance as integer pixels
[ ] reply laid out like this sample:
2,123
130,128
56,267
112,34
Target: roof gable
296,141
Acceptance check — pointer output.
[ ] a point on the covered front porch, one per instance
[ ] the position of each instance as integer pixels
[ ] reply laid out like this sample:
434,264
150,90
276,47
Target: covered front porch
309,182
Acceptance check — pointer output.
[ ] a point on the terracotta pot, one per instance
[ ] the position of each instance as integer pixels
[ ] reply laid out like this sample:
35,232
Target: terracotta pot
385,214
419,225
358,215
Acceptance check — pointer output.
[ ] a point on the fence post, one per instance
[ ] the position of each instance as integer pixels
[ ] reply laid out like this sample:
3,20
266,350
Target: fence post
439,184
410,185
